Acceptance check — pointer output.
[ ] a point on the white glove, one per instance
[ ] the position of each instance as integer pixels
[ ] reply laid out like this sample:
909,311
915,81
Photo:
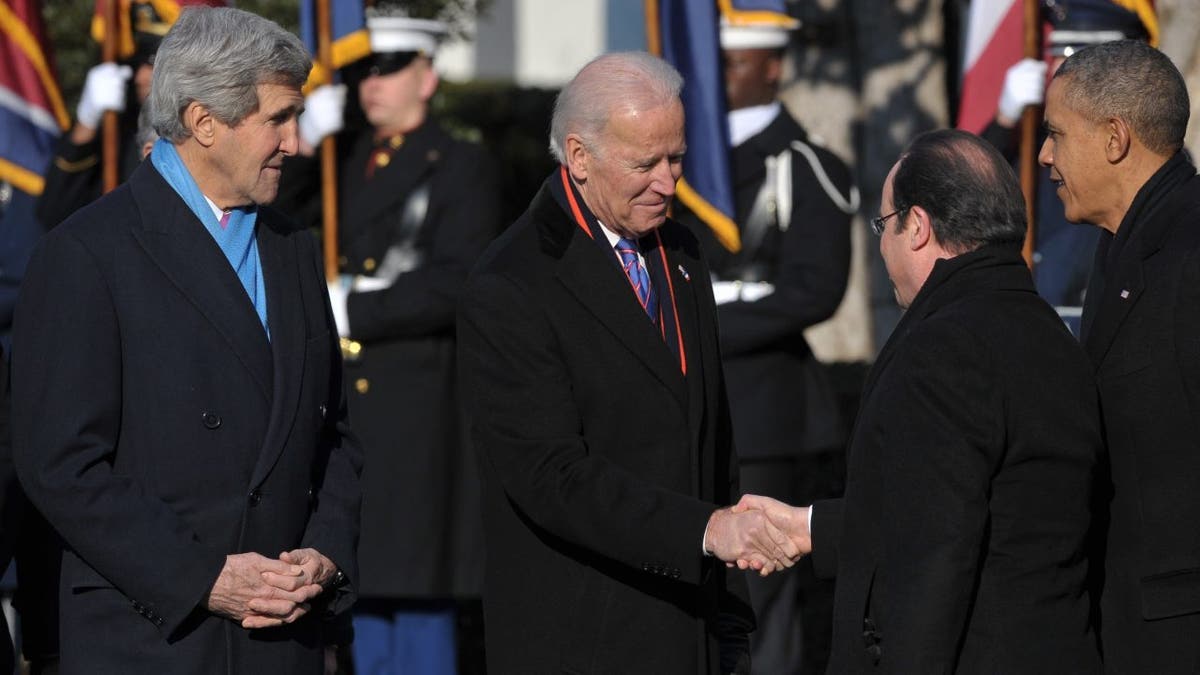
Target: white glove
323,113
741,291
753,291
103,90
339,292
1024,85
369,284
726,291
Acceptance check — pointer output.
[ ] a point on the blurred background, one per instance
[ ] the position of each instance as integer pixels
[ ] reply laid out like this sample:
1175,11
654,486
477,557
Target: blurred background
863,76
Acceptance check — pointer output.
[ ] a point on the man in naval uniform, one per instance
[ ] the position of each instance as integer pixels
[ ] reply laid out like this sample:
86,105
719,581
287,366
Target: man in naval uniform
794,202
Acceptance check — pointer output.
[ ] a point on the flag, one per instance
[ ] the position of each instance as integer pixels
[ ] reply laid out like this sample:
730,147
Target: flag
684,33
157,22
1145,11
349,40
995,32
31,108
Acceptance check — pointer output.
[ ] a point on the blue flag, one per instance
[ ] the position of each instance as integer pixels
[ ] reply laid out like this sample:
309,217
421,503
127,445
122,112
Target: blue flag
686,37
349,40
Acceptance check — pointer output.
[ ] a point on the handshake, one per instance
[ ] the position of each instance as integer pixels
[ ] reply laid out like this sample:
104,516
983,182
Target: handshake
759,533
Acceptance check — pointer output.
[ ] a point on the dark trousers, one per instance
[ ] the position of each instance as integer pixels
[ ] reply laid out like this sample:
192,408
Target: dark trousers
794,609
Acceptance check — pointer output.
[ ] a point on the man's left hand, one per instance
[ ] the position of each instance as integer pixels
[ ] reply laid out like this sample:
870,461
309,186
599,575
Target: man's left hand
315,569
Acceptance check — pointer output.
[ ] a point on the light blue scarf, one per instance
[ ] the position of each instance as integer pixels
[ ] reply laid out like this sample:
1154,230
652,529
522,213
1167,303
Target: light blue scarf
237,240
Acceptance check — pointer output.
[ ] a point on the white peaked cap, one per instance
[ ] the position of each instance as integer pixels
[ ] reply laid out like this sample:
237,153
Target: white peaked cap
763,30
402,34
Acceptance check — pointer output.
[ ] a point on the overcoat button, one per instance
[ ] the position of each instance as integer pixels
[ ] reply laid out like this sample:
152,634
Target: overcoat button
323,410
211,420
362,385
255,497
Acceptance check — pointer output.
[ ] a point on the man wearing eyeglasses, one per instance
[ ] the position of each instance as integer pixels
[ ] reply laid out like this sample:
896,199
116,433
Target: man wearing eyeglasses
959,546
416,208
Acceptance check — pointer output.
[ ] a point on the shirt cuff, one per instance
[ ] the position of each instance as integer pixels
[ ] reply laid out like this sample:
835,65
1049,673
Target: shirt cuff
704,540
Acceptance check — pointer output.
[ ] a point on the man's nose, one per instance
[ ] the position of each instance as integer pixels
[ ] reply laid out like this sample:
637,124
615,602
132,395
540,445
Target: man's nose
664,179
1046,154
289,142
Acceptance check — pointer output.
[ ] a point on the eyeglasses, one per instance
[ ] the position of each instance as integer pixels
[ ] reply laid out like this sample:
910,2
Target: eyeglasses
878,222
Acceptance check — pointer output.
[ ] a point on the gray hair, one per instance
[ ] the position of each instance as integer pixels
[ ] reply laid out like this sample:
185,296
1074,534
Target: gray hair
630,80
217,57
1132,81
145,126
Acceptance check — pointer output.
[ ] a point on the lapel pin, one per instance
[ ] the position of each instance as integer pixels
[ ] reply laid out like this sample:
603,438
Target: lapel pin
686,276
1125,294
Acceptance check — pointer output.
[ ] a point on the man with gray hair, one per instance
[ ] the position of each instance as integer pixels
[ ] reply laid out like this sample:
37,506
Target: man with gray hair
181,418
592,382
1116,114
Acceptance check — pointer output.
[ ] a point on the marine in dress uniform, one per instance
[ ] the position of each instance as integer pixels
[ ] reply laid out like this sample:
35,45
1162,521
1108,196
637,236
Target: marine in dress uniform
416,208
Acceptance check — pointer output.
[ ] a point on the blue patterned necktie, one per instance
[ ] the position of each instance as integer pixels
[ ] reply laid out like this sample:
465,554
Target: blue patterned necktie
638,277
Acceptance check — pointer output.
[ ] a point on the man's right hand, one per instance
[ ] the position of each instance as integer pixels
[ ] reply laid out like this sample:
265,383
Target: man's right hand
242,593
791,520
749,539
103,90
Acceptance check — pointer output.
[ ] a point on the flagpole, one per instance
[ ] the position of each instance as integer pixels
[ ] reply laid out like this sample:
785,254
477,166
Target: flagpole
1029,125
329,222
110,133
650,7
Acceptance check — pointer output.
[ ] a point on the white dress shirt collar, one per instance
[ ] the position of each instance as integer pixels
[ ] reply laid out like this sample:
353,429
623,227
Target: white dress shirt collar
747,122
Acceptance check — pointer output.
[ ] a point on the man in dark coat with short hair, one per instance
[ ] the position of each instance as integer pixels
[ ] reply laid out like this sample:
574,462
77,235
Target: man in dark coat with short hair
1116,115
961,543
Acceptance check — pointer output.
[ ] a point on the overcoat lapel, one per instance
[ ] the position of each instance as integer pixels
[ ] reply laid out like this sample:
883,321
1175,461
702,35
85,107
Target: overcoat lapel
600,286
188,255
1154,214
278,258
700,380
1120,294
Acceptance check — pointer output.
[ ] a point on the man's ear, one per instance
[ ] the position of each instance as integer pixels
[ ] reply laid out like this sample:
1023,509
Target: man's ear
920,228
1120,140
201,123
773,68
429,82
578,158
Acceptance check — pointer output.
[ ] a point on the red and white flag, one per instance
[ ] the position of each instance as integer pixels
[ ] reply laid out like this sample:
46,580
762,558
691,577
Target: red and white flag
994,43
